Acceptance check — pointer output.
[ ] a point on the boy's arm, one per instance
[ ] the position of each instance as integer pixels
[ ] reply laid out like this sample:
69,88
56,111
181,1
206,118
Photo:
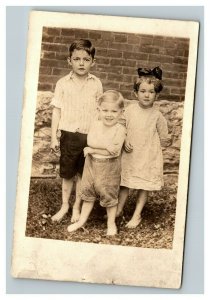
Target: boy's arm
118,140
56,114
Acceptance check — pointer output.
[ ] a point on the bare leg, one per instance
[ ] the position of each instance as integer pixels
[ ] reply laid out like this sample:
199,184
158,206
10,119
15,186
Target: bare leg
140,202
86,210
67,185
122,199
111,215
77,204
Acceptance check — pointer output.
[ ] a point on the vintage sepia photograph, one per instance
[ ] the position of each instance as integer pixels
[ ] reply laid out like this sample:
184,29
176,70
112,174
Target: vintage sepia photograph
105,149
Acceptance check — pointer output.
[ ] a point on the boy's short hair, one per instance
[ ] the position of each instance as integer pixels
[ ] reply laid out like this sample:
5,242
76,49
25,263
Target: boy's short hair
82,44
158,86
112,96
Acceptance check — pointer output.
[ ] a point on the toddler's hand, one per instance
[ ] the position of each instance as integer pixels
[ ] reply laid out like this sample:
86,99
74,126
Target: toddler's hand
54,146
113,149
87,150
128,147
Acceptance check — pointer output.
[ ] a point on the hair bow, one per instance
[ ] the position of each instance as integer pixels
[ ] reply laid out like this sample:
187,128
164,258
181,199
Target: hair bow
156,72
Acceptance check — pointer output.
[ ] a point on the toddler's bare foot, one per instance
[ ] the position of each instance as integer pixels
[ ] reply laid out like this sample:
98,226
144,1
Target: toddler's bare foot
74,227
75,215
134,222
61,213
112,229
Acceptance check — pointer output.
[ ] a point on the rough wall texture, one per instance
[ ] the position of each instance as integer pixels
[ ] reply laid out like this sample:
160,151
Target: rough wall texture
118,55
46,164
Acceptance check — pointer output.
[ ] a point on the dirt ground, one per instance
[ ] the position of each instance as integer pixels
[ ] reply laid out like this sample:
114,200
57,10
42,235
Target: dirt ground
155,231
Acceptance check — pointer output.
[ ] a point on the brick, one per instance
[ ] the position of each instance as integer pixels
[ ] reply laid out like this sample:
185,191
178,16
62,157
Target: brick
81,34
130,78
70,32
65,40
147,49
48,54
136,56
121,38
122,62
45,87
62,55
128,71
128,86
102,52
107,36
127,94
45,70
169,97
174,67
180,60
114,53
53,31
100,75
100,43
180,91
109,69
94,35
122,47
50,79
184,45
146,41
54,47
186,53
111,85
53,63
133,39
115,77
60,72
170,43
173,82
102,60
170,75
158,42
47,38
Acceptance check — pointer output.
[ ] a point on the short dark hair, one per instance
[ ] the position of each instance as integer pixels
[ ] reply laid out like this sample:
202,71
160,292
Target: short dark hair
82,44
158,86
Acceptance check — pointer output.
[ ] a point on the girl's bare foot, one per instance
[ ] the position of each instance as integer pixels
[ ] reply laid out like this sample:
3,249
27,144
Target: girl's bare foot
74,227
134,222
75,215
61,213
111,229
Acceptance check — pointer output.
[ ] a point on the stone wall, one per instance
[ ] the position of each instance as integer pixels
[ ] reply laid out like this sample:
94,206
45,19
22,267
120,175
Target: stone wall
46,164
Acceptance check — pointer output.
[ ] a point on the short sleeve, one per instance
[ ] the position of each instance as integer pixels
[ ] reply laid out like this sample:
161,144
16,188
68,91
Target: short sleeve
99,90
162,128
58,94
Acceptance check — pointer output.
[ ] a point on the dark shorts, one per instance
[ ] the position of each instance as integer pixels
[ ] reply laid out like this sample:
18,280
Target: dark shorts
101,178
72,157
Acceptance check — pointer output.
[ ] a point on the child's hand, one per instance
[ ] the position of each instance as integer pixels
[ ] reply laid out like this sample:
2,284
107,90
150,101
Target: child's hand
87,150
113,149
54,146
128,147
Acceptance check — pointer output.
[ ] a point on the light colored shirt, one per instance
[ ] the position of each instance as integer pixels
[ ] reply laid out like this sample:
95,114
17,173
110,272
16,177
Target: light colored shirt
100,137
77,101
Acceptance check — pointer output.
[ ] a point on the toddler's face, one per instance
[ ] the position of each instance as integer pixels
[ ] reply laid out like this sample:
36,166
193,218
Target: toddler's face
81,62
109,113
146,94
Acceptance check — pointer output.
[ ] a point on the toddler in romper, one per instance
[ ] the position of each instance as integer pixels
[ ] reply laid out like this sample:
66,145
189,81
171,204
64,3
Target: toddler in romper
147,131
101,175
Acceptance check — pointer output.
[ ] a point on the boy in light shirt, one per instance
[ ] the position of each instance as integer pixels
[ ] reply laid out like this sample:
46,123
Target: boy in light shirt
75,102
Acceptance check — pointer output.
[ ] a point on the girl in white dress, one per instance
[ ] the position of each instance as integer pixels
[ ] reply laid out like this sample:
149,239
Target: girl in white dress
142,161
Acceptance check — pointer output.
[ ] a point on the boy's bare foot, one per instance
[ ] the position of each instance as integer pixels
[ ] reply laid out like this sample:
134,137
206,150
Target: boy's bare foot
74,227
75,215
112,229
61,213
134,222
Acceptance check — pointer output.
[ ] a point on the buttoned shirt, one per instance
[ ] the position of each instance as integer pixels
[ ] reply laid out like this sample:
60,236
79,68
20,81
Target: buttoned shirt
77,101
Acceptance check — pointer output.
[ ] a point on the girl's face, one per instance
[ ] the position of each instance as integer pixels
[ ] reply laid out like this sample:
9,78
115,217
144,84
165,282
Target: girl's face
109,113
146,94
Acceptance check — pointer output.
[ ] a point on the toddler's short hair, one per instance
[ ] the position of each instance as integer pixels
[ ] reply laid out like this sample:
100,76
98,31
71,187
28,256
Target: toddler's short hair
82,44
112,96
149,79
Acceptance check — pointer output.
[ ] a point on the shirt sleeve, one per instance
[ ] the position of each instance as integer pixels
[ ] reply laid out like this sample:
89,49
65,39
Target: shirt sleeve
58,95
100,90
119,137
162,128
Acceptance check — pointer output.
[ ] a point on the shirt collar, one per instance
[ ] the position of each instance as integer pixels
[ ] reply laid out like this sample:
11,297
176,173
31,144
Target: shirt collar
71,76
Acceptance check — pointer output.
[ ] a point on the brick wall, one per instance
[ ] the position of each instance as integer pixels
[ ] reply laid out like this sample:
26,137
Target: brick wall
118,55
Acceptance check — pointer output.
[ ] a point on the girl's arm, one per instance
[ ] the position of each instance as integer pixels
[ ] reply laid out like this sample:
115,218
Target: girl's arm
90,150
162,128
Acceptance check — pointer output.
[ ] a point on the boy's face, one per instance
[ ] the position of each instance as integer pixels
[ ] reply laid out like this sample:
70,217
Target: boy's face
146,94
81,62
109,113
